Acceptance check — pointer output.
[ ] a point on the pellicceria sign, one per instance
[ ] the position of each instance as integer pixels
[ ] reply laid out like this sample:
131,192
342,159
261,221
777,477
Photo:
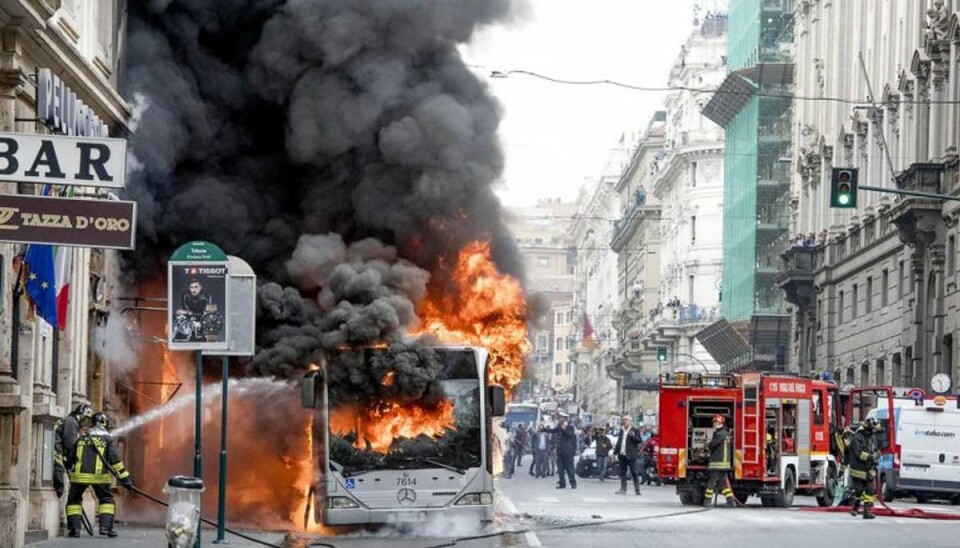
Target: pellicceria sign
67,221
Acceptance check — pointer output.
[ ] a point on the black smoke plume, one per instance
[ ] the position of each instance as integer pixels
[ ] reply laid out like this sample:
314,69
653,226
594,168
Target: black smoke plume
341,147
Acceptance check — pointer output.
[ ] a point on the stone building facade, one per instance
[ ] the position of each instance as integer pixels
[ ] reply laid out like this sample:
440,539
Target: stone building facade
595,302
542,233
874,289
45,373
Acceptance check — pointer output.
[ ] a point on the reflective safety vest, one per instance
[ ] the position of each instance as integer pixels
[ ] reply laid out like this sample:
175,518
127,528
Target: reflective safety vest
92,450
862,453
720,450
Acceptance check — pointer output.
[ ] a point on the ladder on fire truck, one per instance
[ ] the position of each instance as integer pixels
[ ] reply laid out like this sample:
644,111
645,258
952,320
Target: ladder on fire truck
752,426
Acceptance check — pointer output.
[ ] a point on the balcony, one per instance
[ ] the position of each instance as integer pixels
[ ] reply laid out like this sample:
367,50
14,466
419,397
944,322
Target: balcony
796,280
624,227
919,219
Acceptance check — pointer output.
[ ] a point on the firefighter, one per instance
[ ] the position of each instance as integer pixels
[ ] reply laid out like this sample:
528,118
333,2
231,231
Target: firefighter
841,442
863,462
95,451
67,432
721,462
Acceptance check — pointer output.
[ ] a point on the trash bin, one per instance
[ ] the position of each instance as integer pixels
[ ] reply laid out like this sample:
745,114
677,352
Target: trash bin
183,513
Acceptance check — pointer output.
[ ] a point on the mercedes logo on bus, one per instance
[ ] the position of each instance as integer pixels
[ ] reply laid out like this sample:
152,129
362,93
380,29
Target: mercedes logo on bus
406,496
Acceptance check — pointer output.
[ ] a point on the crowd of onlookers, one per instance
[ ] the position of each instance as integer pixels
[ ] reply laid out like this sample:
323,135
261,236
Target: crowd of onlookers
543,443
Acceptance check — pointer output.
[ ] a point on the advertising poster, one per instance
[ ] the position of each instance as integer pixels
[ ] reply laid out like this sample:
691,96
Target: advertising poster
198,305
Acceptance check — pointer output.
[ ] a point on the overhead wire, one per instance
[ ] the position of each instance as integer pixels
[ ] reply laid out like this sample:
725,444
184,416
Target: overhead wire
718,91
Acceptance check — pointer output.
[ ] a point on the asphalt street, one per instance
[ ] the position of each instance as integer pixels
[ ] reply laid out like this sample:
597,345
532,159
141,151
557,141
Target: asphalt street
532,512
593,515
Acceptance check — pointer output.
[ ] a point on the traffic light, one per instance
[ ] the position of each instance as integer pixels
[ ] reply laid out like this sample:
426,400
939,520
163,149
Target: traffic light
661,353
843,187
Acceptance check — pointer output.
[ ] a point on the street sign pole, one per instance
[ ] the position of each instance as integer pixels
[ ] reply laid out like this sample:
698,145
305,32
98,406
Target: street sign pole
198,424
222,496
241,296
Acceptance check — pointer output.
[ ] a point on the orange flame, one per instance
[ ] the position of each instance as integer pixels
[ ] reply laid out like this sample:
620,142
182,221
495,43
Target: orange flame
487,308
377,427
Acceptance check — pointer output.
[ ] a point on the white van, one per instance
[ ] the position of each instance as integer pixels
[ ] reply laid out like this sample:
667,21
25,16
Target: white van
928,449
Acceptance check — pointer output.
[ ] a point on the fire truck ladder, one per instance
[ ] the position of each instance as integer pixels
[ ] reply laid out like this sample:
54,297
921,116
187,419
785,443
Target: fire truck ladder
752,426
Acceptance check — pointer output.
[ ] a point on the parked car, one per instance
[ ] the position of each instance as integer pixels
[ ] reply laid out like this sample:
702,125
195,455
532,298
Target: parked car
587,463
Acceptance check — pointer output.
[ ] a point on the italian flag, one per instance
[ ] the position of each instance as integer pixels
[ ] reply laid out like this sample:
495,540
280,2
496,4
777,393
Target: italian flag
62,261
61,268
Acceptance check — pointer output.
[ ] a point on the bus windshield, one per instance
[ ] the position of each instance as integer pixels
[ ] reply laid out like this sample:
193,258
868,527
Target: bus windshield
442,433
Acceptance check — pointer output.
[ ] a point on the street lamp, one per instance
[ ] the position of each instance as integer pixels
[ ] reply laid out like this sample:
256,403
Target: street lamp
696,359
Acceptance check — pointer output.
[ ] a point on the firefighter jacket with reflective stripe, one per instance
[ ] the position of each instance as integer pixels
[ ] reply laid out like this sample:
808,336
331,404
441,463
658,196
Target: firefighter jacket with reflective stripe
92,449
863,455
66,433
721,450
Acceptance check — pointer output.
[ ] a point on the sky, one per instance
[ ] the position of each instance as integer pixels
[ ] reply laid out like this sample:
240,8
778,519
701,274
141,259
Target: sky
556,136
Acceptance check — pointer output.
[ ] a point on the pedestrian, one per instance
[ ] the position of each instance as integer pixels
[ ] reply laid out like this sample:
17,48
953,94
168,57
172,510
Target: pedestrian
651,450
521,442
566,449
541,451
863,468
721,460
96,451
509,457
552,455
627,451
603,451
66,434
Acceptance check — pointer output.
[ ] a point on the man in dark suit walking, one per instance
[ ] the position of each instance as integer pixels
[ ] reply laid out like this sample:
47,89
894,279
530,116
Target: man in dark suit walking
566,449
627,451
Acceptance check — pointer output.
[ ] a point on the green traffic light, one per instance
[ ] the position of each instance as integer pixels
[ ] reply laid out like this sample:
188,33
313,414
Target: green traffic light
843,199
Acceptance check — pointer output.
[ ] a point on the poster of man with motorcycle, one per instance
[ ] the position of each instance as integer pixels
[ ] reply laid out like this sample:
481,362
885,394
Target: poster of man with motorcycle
197,305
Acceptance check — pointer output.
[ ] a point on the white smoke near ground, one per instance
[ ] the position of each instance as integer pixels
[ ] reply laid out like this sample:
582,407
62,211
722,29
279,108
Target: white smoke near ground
116,335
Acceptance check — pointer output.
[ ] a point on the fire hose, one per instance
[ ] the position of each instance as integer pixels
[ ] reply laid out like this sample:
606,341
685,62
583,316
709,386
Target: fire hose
162,502
917,513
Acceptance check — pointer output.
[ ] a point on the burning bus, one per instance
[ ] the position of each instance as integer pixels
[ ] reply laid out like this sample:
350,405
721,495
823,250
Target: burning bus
391,460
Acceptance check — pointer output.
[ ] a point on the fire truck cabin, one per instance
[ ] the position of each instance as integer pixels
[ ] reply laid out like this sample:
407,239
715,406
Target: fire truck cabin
781,427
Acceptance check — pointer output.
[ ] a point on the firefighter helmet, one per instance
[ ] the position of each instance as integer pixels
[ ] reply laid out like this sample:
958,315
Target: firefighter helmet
870,424
100,419
718,418
83,410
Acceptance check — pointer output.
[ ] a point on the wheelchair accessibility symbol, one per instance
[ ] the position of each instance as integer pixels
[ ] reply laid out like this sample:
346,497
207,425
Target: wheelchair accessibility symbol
350,483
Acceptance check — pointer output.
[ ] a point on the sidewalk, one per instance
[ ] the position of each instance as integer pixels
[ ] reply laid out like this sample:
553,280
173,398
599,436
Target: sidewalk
140,536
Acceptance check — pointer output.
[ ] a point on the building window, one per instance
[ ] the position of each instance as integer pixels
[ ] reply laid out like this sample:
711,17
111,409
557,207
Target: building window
559,343
853,301
840,310
868,302
910,283
559,318
885,288
951,255
46,474
543,261
691,284
693,229
819,314
558,369
693,174
897,371
900,281
568,368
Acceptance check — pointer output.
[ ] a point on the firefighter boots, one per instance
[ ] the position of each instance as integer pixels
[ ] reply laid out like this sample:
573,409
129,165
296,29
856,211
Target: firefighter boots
73,525
868,511
855,508
106,526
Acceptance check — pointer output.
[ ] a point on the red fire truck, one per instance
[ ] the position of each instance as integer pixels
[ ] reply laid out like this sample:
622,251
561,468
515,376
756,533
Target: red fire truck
781,425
